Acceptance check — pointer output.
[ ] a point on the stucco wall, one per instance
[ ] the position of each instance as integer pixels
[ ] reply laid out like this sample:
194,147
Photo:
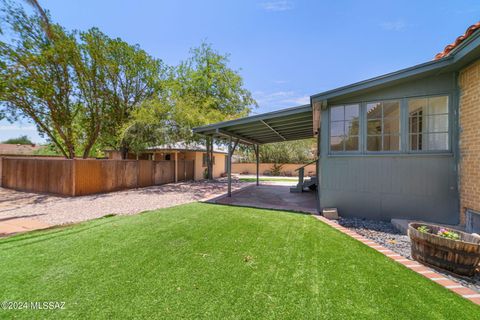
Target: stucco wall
218,167
288,169
469,120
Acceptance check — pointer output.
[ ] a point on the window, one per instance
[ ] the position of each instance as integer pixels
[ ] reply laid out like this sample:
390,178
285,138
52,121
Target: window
383,126
428,124
344,128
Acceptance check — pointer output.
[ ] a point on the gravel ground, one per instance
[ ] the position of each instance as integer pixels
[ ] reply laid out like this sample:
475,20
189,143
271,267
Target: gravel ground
55,210
385,234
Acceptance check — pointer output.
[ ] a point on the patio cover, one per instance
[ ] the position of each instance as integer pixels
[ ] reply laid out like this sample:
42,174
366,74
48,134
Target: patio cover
277,126
284,125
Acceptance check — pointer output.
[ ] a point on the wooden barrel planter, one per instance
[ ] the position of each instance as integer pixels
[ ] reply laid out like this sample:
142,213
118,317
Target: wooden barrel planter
458,256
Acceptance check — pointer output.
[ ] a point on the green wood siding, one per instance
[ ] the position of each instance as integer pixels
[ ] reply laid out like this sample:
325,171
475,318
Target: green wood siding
400,185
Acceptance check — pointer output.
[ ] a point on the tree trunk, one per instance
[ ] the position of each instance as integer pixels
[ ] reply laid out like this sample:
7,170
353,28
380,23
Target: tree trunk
124,151
209,145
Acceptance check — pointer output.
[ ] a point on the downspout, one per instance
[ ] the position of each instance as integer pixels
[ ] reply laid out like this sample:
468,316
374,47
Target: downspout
456,141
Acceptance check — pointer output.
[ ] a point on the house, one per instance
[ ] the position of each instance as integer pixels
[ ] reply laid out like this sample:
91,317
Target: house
18,149
182,152
402,145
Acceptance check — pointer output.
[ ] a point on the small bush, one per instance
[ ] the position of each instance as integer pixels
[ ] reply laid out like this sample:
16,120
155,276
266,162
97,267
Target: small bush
276,169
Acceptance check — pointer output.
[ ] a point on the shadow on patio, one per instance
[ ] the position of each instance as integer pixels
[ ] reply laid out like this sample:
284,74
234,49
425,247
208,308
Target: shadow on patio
270,197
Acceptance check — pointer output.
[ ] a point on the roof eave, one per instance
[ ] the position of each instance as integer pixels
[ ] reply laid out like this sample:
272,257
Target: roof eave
211,128
426,67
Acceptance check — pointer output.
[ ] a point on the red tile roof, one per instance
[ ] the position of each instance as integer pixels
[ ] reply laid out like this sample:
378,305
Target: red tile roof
458,41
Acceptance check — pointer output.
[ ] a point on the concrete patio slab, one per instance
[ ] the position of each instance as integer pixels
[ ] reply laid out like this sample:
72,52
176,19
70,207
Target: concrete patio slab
12,226
271,197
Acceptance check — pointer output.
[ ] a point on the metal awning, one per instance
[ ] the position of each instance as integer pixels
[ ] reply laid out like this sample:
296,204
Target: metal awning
283,125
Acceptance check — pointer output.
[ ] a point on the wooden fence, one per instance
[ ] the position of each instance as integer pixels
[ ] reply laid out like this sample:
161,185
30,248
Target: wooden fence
82,177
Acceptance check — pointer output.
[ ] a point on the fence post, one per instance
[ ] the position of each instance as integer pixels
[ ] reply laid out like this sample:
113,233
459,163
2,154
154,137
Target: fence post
73,175
176,166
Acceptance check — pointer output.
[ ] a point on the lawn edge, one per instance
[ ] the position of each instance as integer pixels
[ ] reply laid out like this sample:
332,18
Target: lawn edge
413,265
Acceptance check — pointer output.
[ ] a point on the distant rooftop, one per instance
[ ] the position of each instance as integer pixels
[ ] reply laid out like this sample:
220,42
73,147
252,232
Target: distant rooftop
18,149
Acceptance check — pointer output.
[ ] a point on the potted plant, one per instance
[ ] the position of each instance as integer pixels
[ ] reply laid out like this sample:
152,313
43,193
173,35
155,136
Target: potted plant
452,250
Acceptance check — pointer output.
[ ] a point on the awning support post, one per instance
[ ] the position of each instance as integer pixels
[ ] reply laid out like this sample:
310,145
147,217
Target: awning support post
257,159
229,167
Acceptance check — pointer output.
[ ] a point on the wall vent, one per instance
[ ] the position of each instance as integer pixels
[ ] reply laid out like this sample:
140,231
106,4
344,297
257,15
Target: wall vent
473,221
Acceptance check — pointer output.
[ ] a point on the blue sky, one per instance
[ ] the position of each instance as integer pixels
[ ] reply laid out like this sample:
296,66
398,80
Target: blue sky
285,50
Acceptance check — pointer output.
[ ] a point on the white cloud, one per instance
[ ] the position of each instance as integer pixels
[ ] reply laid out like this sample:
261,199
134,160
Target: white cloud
15,127
280,81
268,101
280,5
395,25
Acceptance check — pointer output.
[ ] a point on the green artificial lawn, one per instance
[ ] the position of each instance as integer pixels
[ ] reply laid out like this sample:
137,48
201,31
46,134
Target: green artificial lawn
269,179
214,262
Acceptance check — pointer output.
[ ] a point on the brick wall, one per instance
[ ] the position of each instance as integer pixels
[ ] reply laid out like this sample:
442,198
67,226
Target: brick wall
469,117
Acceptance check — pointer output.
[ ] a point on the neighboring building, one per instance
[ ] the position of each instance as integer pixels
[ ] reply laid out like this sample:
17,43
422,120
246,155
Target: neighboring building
181,151
18,149
401,145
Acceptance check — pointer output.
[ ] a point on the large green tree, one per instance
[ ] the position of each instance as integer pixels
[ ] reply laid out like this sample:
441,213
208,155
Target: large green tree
79,88
132,78
37,77
205,89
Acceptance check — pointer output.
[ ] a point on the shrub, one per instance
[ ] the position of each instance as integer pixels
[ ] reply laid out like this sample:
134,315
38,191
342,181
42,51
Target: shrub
276,169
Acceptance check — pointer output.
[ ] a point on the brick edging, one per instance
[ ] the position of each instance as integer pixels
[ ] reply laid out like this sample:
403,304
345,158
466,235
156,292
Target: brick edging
413,265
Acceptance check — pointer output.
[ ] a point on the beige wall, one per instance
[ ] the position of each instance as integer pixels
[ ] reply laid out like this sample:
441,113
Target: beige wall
469,120
288,169
218,168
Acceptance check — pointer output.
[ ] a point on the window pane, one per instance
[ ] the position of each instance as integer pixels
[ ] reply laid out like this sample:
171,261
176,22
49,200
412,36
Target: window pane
415,142
428,124
391,143
391,109
418,104
437,123
352,112
415,124
374,127
391,125
436,141
374,110
438,105
337,128
429,142
337,113
374,143
351,143
336,143
351,128
344,122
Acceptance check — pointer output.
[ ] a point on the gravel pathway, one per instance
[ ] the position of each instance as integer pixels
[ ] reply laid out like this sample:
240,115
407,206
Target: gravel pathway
55,210
385,234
